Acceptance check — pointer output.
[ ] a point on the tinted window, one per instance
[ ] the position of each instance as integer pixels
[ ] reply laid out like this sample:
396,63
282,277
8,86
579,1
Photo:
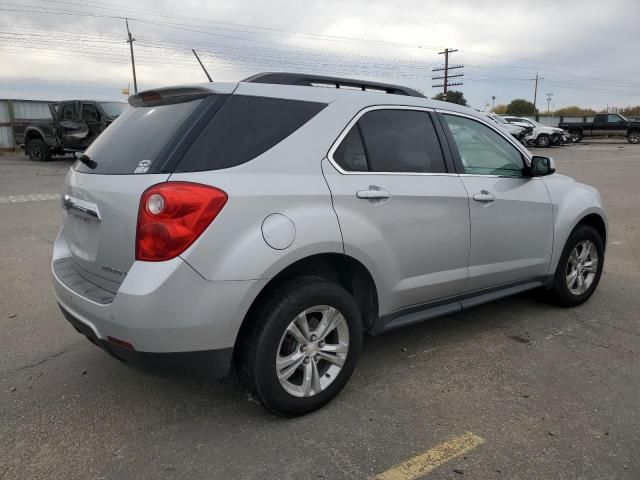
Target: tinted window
244,128
392,141
482,150
68,111
90,113
113,109
136,135
613,119
350,154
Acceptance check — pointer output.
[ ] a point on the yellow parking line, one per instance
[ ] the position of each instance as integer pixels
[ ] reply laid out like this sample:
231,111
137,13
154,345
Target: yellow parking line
433,458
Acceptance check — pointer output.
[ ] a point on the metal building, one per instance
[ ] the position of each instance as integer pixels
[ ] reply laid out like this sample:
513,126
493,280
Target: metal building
13,110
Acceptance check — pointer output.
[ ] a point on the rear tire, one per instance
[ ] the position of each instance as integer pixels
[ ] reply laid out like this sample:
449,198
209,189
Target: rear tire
309,381
580,267
634,137
576,135
38,150
543,140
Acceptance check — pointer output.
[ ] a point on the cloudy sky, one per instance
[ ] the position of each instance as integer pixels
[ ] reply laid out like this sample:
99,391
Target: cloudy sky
586,51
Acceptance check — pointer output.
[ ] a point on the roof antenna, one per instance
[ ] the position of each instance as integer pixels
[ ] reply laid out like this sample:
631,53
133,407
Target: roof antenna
200,62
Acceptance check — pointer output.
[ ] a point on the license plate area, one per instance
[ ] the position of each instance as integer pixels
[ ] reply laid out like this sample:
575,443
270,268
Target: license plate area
82,234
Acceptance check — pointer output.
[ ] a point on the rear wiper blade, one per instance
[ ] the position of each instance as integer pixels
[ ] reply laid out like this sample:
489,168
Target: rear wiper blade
87,161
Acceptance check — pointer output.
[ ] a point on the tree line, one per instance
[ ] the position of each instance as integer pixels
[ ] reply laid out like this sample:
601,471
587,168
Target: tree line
520,106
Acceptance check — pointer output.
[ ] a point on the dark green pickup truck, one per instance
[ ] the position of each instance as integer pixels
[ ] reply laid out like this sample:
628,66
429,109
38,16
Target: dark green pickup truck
74,124
604,124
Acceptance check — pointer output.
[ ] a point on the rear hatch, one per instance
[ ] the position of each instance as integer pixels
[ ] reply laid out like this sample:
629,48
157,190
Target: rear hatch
181,130
102,192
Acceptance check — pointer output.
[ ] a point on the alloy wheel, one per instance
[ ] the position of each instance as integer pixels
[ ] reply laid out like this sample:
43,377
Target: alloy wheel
36,152
543,141
312,351
634,137
582,267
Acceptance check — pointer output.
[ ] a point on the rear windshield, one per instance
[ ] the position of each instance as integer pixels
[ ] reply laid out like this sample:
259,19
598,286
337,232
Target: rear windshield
244,128
135,139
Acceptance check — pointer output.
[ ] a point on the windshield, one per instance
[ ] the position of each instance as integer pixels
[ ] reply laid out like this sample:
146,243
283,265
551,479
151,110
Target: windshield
623,117
499,119
113,109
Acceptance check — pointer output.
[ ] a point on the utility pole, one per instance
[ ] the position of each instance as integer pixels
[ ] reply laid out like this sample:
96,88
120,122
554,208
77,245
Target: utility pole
535,90
549,97
446,76
133,62
200,62
493,102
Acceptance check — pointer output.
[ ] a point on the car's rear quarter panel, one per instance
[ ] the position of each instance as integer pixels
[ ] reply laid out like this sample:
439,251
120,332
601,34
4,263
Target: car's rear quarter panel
233,246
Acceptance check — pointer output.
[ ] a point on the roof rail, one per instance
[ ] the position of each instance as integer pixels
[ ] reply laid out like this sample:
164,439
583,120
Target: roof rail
281,78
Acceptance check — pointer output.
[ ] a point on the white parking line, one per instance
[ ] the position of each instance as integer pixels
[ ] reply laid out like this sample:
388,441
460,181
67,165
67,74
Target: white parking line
34,197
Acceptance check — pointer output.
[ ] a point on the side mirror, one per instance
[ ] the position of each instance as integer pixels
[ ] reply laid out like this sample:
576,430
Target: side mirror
541,166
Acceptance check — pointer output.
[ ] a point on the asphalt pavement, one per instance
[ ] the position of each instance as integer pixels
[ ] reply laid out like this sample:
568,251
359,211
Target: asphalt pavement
532,390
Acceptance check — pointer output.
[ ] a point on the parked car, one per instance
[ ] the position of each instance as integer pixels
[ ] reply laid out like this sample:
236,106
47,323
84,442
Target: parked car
520,132
542,135
73,126
268,224
604,124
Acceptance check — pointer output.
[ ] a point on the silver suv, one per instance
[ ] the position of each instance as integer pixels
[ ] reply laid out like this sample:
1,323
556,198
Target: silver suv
266,225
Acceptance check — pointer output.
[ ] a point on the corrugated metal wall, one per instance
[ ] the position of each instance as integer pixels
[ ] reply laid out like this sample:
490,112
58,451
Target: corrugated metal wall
30,110
6,138
22,110
4,111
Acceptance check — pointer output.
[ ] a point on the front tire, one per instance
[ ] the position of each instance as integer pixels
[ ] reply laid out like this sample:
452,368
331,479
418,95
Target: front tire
301,347
580,267
38,150
543,140
634,137
576,135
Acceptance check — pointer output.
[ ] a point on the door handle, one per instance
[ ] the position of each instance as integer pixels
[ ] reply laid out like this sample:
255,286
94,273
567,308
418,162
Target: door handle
373,193
484,197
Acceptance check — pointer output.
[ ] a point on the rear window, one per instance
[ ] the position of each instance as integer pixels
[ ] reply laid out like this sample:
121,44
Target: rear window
136,138
244,128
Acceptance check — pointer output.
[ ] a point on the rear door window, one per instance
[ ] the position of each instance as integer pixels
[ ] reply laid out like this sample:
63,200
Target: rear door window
133,142
244,128
392,141
68,111
90,113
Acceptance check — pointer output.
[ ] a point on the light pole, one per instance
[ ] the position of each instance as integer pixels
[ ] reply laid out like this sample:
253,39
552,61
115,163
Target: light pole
549,97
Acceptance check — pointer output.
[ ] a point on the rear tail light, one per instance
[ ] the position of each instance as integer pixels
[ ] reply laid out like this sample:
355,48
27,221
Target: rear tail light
172,216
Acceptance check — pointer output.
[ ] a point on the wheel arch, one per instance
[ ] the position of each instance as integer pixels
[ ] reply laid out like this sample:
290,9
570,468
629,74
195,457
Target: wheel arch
632,129
595,221
33,133
594,217
343,269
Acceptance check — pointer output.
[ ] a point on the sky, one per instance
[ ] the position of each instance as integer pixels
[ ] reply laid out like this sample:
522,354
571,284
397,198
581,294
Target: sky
586,52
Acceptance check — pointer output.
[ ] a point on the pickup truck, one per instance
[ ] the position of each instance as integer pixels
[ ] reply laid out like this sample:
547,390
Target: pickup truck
73,126
609,124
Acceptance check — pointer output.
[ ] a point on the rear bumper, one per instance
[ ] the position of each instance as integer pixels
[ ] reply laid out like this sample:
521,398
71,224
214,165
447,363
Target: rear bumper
205,363
160,308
